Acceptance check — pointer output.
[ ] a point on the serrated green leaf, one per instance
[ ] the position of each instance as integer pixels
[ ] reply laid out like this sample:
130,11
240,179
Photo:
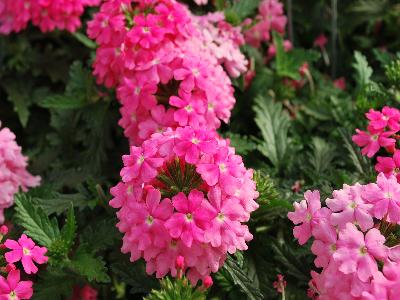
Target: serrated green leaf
34,220
90,266
68,232
58,203
241,279
363,71
18,94
242,144
274,124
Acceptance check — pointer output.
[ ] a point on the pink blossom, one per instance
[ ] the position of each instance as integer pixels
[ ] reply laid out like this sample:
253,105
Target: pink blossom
306,214
356,253
340,83
348,206
13,288
385,197
389,165
388,118
191,218
193,74
191,143
147,31
321,41
371,142
13,172
142,163
190,109
27,252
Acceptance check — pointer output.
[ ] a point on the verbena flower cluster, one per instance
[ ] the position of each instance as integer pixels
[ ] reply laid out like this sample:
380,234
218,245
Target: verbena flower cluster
166,64
355,240
13,173
381,134
270,18
48,15
184,192
25,251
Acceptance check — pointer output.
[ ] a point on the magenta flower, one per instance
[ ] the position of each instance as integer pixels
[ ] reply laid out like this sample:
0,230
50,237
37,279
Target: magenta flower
348,206
225,223
149,218
193,74
27,252
190,109
320,41
191,143
389,165
191,218
147,31
14,289
223,168
356,253
141,163
389,117
306,214
371,142
385,196
324,244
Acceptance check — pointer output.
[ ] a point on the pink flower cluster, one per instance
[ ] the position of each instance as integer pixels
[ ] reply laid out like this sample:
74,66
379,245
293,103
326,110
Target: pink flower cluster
270,18
381,133
24,250
166,65
186,193
13,173
353,240
48,15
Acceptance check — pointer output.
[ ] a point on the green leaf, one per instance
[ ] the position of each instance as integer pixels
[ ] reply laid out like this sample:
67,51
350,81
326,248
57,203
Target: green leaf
242,143
89,266
54,284
68,232
100,234
59,203
321,157
62,102
274,124
363,71
84,40
289,63
241,279
19,94
35,221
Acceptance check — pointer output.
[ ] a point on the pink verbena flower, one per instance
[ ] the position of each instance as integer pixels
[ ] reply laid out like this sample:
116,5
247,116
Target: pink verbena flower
13,288
27,252
13,172
348,206
142,163
389,118
385,196
356,253
190,219
306,214
371,142
201,225
389,165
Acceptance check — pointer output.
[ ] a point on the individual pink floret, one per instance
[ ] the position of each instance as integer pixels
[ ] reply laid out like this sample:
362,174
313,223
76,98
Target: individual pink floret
13,288
27,252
